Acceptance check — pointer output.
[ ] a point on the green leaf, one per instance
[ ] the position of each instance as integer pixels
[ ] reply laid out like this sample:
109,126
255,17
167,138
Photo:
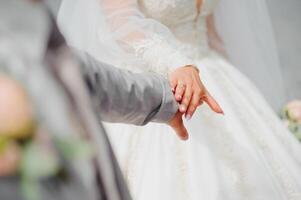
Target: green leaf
36,163
75,148
3,143
293,127
284,113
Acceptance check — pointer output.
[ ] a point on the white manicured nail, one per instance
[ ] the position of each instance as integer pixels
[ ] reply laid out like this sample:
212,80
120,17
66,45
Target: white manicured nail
182,108
188,117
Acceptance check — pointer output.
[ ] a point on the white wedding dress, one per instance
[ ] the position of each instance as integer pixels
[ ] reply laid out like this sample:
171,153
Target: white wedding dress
246,154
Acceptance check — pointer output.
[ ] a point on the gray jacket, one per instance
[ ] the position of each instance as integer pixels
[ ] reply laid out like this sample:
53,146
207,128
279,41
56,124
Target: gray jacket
122,96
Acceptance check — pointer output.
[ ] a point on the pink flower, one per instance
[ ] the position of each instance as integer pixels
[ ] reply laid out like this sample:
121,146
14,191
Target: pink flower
294,110
16,113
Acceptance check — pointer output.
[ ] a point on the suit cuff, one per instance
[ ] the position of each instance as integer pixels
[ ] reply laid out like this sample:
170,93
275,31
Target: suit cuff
169,105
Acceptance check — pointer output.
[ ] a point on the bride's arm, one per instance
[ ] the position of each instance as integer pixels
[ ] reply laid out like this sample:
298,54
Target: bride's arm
214,39
144,37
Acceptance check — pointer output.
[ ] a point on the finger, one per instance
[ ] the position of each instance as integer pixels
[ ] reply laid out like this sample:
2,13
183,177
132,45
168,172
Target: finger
201,102
212,103
195,102
182,132
173,85
180,129
180,89
186,99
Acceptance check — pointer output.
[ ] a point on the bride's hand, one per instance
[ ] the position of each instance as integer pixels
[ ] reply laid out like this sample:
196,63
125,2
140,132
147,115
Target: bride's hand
190,91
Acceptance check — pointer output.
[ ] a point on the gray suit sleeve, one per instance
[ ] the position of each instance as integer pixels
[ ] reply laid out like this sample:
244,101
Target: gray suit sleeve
122,96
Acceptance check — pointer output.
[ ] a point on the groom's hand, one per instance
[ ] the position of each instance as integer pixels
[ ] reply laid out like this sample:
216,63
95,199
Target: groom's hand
190,91
177,125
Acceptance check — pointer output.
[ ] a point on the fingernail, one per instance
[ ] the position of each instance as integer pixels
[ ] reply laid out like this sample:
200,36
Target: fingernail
179,97
182,108
185,137
188,117
173,89
222,112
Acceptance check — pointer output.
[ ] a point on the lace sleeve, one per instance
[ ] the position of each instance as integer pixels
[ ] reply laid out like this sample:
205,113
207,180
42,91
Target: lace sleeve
143,37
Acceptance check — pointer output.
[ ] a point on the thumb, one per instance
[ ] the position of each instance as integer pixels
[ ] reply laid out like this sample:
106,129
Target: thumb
179,128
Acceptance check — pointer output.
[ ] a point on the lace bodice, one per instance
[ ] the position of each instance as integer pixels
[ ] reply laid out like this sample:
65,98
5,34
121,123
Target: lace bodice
175,12
182,18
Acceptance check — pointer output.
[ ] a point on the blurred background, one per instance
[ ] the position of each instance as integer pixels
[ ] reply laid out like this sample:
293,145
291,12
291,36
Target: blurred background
286,19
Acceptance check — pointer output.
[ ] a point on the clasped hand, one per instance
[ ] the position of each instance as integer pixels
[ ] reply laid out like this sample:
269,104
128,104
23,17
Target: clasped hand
190,92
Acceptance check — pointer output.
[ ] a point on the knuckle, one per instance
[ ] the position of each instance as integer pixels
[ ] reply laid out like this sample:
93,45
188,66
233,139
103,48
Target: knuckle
197,95
198,90
192,108
194,104
179,91
186,98
181,83
189,82
203,92
189,91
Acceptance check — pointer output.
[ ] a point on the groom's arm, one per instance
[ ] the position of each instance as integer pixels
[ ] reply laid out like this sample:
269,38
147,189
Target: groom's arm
126,97
122,96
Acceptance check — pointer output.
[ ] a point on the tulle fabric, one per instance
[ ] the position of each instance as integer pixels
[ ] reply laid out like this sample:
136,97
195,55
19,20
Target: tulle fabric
130,39
84,27
248,36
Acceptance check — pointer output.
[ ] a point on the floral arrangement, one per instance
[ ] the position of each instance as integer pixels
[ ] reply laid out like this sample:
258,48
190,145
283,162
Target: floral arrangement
27,149
291,115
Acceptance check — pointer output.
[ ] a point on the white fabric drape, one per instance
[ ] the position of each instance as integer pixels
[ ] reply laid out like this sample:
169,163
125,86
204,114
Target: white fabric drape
247,32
